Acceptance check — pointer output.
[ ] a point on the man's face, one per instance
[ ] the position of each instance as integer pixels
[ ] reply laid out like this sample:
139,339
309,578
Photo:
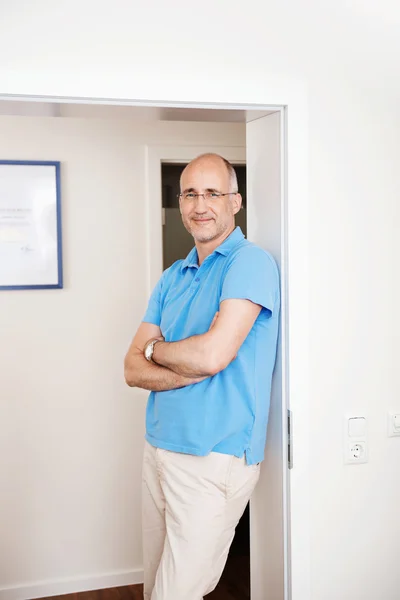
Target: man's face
208,219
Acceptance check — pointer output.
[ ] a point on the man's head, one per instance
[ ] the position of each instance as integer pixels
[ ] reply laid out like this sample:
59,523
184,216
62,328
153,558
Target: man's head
210,216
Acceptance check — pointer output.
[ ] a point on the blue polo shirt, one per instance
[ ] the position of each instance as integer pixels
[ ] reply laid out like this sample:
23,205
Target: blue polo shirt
228,412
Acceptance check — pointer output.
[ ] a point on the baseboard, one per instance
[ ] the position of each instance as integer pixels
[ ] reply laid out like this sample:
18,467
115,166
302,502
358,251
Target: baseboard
44,589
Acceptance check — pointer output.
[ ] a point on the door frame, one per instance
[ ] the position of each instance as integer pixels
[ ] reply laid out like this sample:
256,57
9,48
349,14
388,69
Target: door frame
290,98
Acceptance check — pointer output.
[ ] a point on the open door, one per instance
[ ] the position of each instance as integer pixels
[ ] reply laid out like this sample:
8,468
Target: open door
268,515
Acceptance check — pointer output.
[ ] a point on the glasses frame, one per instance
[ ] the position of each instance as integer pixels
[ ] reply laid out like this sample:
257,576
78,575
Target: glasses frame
216,195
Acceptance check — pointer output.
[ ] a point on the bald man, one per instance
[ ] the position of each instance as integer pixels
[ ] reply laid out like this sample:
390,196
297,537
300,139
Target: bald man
206,351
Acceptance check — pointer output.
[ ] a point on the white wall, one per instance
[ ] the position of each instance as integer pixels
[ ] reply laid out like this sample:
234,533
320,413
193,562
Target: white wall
347,55
354,342
71,430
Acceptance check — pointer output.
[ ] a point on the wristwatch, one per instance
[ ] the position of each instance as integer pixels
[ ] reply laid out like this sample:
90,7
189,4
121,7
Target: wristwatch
149,349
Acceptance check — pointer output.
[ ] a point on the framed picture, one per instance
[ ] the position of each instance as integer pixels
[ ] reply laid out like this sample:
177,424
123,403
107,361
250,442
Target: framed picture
30,225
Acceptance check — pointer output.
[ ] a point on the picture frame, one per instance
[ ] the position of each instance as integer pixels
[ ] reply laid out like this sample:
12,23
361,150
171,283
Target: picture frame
30,225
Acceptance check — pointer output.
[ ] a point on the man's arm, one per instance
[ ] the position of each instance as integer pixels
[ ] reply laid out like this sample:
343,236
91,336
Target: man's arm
139,372
207,354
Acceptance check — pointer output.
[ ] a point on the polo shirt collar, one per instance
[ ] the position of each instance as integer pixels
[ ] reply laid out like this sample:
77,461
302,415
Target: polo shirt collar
230,242
192,260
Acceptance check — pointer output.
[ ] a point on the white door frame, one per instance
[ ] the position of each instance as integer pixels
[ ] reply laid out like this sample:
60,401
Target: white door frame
289,97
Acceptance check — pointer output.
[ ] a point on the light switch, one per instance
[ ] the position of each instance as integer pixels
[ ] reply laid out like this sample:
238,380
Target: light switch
357,427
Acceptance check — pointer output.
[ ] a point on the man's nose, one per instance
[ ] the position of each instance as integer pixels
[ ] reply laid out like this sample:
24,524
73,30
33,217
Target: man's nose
201,206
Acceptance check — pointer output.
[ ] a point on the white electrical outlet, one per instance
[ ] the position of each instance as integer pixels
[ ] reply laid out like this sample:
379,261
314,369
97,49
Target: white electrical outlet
356,452
393,424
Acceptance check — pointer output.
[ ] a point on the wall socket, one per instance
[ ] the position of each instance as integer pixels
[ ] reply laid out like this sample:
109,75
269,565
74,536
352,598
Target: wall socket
356,452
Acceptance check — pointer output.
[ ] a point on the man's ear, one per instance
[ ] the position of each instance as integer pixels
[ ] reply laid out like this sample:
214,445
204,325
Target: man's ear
237,203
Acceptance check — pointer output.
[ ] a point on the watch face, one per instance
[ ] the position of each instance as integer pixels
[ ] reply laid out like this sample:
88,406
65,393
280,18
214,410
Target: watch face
149,351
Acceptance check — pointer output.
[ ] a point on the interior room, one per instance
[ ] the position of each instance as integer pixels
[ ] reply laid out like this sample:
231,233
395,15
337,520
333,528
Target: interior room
71,431
78,427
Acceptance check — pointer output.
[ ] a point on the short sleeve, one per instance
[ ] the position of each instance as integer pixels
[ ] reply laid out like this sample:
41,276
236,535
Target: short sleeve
252,275
153,312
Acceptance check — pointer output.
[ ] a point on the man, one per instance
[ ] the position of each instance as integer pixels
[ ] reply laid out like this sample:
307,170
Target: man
206,351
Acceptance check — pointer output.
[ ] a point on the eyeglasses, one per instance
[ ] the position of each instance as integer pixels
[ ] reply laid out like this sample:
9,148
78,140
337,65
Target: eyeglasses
206,196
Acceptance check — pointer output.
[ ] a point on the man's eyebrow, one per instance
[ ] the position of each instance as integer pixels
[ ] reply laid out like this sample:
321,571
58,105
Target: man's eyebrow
193,190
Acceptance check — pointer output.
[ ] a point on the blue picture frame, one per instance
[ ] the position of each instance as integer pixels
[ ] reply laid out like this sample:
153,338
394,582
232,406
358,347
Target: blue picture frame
57,271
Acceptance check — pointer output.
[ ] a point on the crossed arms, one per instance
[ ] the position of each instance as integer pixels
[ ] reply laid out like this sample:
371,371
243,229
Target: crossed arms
192,360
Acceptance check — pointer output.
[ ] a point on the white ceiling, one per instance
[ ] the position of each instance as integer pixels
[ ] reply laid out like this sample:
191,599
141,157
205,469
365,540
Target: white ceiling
139,113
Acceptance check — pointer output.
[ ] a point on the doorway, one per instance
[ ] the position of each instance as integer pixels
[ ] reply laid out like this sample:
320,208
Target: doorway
263,516
177,243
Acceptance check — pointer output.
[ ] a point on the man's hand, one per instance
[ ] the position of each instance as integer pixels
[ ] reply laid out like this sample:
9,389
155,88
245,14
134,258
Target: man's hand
139,372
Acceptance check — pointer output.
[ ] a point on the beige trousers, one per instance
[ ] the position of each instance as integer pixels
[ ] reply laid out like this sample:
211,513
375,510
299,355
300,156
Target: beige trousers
191,506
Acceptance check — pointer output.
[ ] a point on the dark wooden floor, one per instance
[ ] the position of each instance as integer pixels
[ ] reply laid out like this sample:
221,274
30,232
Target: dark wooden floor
129,592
